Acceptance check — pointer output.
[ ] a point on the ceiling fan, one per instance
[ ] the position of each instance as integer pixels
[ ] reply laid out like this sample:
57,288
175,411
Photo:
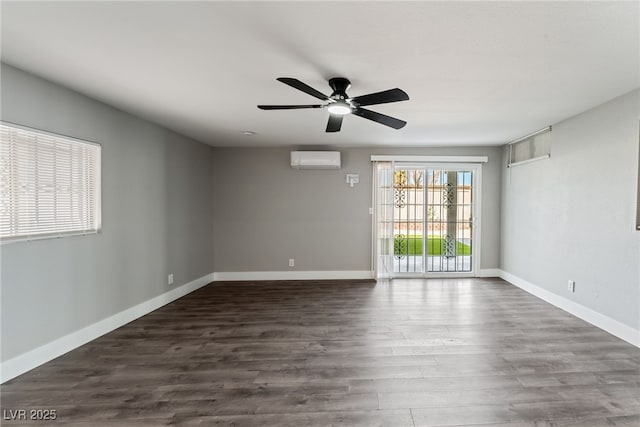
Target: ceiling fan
339,104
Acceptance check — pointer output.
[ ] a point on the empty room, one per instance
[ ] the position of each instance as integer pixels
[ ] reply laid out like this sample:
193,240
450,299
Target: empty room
305,213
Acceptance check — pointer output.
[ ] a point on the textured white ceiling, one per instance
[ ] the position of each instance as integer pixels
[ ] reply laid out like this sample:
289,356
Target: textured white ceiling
476,72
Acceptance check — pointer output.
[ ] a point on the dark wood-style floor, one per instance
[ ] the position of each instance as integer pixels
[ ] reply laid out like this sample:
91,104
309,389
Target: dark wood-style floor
406,353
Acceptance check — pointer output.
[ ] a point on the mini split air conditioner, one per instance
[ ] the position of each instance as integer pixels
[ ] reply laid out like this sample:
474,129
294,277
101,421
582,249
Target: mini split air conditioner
315,159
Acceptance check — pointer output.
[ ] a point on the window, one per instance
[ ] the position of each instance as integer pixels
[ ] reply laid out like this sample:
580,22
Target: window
536,146
49,185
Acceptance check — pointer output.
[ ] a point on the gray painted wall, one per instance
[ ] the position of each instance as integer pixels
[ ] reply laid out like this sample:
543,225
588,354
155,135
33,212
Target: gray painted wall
269,212
157,196
572,216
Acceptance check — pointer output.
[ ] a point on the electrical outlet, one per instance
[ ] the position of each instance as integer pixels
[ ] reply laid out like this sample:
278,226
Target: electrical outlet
571,286
170,279
292,262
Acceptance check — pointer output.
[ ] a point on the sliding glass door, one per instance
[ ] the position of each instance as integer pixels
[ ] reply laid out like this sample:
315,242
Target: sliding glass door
431,212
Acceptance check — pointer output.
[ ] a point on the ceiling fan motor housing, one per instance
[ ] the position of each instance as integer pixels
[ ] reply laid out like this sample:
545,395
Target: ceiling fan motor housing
339,86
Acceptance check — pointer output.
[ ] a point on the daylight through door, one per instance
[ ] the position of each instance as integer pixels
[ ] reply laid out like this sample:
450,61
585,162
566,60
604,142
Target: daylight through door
433,218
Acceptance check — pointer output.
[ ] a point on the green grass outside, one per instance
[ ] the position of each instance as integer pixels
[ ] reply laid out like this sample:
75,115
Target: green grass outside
435,246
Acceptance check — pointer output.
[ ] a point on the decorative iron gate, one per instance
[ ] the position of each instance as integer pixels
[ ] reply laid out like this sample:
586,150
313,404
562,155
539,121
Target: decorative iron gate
433,216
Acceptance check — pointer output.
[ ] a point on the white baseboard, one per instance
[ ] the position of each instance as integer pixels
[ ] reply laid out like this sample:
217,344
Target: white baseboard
36,357
291,275
602,321
489,272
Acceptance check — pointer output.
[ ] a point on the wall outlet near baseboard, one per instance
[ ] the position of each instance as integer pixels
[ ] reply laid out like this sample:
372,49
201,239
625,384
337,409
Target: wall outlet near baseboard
571,286
170,279
292,262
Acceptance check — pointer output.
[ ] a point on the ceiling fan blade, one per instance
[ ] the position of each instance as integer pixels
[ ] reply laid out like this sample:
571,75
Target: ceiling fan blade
335,123
380,118
295,83
287,107
391,95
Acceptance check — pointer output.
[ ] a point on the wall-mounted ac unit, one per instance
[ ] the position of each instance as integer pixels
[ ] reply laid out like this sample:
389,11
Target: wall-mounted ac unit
315,159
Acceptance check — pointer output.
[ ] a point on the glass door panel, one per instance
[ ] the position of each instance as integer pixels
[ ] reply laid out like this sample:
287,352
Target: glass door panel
449,220
408,220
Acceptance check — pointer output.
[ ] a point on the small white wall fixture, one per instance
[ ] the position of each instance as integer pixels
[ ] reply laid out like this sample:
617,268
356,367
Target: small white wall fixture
352,179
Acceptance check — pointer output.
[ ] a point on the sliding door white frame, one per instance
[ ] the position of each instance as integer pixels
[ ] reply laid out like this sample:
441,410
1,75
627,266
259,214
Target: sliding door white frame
383,268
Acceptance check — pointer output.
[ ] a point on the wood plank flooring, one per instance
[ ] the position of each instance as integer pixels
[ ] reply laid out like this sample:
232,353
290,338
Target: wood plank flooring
349,353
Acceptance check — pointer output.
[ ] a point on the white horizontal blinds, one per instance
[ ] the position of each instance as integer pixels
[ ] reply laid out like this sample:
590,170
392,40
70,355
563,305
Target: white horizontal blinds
49,185
534,147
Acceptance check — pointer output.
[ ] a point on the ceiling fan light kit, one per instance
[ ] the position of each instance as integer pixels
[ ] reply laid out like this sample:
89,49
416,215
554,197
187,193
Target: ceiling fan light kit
340,108
339,104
